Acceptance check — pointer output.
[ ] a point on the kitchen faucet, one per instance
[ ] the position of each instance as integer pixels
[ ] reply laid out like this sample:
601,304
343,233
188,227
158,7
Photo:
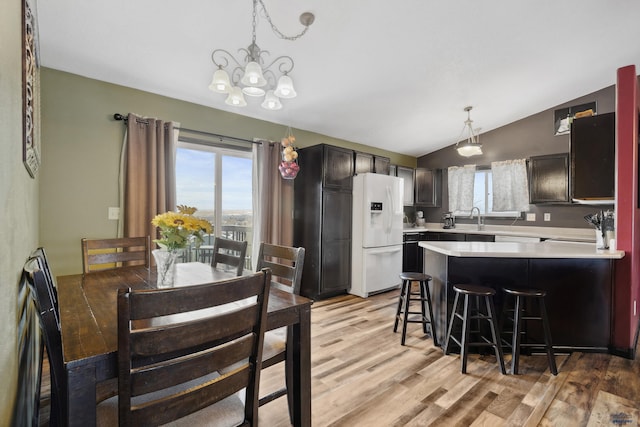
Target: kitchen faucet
480,219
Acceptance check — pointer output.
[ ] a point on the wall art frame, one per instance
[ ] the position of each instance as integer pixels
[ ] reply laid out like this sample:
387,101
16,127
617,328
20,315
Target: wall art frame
30,90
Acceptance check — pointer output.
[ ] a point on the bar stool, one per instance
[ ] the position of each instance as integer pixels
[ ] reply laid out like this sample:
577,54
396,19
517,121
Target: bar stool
406,296
469,314
520,315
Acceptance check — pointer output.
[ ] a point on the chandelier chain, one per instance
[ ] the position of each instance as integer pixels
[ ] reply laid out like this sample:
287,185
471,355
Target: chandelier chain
273,26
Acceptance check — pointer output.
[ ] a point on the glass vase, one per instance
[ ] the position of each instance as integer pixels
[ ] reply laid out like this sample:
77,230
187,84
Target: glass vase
165,266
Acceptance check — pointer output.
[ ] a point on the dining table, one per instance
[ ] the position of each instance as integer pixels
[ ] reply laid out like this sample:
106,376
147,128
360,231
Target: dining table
88,317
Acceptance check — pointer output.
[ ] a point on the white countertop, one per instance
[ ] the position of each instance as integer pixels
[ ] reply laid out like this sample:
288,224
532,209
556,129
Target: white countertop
549,249
555,233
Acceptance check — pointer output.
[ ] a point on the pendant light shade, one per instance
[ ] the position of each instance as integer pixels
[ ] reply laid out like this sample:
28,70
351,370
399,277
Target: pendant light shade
471,146
253,75
285,88
236,98
220,82
271,102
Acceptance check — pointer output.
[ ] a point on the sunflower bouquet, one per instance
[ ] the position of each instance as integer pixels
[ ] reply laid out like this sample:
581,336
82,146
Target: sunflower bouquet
178,228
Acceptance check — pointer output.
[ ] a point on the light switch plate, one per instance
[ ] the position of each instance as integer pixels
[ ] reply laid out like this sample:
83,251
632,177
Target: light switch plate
531,217
114,213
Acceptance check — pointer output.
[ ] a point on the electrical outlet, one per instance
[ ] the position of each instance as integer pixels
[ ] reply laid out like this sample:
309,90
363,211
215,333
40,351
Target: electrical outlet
114,213
531,217
547,216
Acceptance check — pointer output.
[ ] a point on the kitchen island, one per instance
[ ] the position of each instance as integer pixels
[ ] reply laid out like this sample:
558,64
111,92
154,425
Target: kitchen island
578,279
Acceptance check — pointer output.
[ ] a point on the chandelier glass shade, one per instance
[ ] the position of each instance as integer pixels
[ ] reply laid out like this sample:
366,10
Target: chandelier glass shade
250,76
471,146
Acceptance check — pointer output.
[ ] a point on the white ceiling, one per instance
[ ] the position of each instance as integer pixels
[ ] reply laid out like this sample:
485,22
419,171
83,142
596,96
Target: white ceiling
389,74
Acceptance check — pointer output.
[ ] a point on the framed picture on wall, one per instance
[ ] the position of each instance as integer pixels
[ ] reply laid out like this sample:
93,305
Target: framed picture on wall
30,90
563,117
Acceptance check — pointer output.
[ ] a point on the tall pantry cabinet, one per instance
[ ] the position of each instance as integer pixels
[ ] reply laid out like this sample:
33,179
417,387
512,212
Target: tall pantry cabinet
322,219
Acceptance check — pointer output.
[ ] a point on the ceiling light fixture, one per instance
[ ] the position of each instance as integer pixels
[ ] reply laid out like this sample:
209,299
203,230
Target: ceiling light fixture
471,146
249,76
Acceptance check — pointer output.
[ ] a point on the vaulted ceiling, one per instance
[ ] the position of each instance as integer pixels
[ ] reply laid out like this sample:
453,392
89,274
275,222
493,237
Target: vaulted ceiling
389,74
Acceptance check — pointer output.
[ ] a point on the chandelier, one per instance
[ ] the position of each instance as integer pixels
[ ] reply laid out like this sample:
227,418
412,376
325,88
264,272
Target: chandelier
249,76
471,146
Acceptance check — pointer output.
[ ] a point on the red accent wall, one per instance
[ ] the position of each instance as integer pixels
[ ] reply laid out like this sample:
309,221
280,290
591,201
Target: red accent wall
627,270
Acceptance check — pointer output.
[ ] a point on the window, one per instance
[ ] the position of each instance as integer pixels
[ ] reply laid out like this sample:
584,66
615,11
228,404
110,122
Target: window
217,181
483,197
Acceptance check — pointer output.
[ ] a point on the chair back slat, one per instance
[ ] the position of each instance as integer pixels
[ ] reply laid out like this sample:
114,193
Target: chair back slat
164,376
103,254
229,252
163,340
286,264
172,343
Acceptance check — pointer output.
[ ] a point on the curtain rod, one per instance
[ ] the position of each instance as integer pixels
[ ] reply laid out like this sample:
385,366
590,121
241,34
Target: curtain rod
120,117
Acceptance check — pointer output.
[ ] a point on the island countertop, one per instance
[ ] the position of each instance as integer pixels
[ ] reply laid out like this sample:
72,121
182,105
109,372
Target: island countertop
547,249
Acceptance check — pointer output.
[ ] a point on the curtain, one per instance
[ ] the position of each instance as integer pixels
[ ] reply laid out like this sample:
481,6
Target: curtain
147,174
272,200
510,185
461,179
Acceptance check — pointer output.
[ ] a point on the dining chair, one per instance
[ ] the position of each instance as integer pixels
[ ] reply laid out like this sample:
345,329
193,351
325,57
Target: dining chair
169,356
35,272
104,254
286,268
230,253
30,351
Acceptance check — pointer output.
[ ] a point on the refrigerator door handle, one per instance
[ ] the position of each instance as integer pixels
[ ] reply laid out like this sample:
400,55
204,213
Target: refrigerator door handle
382,251
390,210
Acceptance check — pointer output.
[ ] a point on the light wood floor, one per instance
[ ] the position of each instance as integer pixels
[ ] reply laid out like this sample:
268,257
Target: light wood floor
362,376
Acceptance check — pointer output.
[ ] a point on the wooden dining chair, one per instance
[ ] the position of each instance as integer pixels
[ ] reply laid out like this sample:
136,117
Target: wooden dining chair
230,253
168,367
30,351
286,267
34,272
104,254
39,279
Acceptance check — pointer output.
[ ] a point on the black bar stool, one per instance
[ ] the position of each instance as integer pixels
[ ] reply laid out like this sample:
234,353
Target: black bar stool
468,314
406,296
521,315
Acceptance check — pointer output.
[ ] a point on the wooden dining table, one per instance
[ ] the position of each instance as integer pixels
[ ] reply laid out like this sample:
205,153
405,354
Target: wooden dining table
88,313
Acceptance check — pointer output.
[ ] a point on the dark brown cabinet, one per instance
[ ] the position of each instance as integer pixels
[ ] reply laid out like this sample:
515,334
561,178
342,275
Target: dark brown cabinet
428,187
322,219
593,158
549,178
363,162
381,165
407,175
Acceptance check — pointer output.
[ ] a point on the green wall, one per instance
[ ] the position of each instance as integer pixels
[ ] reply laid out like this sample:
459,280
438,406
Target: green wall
81,152
19,197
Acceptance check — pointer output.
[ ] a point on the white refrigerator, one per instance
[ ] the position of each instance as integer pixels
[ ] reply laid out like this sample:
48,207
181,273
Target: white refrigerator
376,244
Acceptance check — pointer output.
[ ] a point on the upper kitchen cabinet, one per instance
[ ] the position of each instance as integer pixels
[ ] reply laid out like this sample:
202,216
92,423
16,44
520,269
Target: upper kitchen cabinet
593,159
381,165
337,166
407,175
428,188
549,178
363,162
